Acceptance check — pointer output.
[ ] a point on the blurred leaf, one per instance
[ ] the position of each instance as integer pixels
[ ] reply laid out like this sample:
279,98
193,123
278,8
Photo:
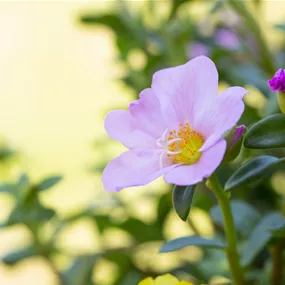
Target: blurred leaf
110,20
131,277
280,27
218,5
102,222
277,228
23,180
245,216
267,133
31,213
182,242
163,208
6,154
7,188
122,258
81,270
48,183
23,187
19,255
260,237
251,171
141,231
182,197
214,263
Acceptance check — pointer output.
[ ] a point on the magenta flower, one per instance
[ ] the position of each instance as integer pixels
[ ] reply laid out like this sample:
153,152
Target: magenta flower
277,83
175,129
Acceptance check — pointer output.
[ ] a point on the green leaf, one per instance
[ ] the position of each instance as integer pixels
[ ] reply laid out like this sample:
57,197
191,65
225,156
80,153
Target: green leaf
245,216
260,237
6,154
252,171
48,183
81,270
141,231
182,197
280,27
31,213
163,208
182,242
278,228
267,133
19,255
112,21
23,180
7,188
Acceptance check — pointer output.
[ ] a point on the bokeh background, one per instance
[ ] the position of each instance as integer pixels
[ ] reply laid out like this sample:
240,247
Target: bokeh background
63,65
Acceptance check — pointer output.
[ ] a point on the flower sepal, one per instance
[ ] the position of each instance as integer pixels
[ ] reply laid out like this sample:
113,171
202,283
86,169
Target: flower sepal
281,101
234,138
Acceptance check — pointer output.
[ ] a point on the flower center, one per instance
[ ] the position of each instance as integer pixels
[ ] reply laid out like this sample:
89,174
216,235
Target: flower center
182,146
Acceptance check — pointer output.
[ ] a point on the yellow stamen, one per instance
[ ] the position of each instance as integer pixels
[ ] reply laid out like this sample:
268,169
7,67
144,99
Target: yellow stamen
184,145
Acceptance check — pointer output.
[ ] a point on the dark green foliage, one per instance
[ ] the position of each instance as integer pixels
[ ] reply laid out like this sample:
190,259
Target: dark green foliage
182,199
253,170
267,133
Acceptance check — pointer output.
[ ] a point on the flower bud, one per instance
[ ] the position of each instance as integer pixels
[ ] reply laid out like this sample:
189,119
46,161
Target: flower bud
234,142
277,83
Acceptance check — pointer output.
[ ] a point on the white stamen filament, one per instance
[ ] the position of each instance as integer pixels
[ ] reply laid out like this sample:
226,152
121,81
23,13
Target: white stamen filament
163,143
173,152
173,140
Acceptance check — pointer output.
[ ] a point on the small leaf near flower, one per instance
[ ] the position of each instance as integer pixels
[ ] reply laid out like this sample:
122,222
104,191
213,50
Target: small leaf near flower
182,197
253,170
267,133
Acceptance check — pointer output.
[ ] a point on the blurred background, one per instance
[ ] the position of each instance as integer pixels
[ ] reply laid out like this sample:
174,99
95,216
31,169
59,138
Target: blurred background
64,65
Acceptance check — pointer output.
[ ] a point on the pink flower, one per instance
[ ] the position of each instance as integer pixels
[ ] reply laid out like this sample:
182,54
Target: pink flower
175,129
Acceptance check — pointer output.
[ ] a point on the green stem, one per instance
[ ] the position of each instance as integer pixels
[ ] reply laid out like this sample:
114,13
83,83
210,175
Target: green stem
233,257
277,263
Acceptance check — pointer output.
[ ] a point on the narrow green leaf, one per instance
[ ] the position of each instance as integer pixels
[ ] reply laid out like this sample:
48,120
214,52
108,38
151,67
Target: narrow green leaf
245,216
280,27
252,171
19,255
182,242
81,270
182,197
260,237
31,213
48,183
277,228
7,188
267,133
23,180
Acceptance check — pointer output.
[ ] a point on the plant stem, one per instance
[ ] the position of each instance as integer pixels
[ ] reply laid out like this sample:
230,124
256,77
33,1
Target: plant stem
233,257
277,263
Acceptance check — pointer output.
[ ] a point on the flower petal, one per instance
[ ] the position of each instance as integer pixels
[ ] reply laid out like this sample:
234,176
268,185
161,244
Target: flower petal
120,125
133,168
184,89
203,168
214,120
139,127
166,279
